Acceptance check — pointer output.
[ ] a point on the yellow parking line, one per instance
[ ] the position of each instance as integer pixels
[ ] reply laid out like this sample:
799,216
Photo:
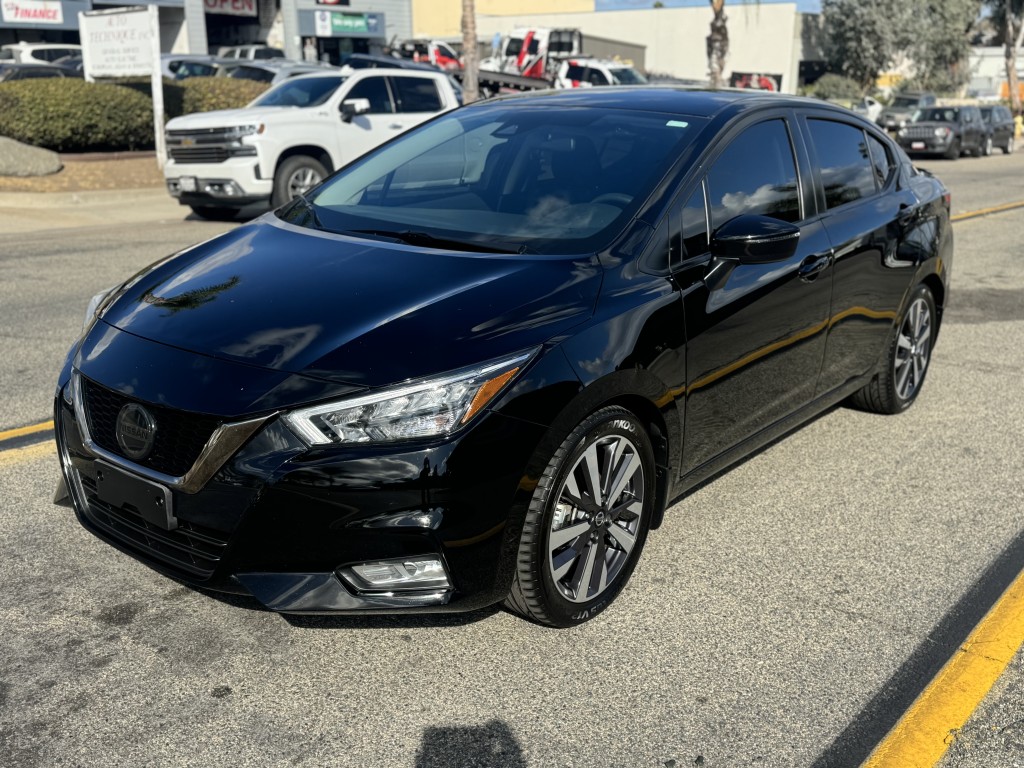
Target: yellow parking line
29,430
924,733
987,211
29,452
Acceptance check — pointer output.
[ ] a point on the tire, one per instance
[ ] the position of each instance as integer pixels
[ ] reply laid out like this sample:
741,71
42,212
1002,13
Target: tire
568,535
985,149
953,153
895,387
212,213
1008,147
295,176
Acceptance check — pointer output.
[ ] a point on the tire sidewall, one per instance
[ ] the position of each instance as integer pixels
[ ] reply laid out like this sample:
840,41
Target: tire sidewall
921,292
604,423
287,169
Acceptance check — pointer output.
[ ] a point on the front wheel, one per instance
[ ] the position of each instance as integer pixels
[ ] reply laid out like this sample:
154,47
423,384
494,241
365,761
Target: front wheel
896,385
587,521
953,152
296,176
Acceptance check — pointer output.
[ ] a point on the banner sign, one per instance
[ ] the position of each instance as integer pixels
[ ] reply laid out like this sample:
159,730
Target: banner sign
32,11
232,7
329,23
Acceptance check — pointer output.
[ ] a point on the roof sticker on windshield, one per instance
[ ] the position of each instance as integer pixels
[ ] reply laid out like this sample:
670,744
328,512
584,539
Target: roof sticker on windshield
677,124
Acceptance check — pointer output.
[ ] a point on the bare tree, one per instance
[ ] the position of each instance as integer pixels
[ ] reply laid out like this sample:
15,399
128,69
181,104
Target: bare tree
470,53
718,44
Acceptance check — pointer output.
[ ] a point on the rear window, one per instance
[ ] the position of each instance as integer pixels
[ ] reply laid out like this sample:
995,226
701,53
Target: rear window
416,94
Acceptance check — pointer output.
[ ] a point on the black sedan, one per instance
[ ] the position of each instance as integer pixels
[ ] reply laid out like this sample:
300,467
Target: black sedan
478,364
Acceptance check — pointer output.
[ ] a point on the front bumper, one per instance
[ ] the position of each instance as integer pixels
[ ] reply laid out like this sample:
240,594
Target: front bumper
931,145
282,522
234,183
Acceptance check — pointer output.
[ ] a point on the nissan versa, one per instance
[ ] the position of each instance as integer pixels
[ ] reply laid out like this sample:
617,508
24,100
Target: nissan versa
478,363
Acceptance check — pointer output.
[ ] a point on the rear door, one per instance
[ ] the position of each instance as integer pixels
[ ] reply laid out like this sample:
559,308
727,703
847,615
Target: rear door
755,332
866,215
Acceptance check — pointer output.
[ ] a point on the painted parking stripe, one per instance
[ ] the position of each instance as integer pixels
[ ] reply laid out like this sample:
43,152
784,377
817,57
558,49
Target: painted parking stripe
924,733
986,211
14,439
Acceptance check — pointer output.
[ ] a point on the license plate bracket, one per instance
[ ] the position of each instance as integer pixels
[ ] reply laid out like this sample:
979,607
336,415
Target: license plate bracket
123,490
188,184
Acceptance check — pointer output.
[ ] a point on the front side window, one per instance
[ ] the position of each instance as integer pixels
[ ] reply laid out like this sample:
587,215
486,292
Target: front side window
307,92
509,178
847,172
416,94
756,174
375,90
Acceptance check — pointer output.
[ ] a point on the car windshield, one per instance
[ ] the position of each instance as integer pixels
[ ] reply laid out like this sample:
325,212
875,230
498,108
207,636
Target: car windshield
987,113
506,178
627,76
936,114
303,92
904,102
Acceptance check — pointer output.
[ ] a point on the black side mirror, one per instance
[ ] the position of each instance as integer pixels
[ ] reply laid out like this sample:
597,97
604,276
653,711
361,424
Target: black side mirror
754,239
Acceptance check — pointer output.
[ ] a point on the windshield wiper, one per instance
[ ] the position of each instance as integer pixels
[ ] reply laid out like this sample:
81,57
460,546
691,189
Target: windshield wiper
428,240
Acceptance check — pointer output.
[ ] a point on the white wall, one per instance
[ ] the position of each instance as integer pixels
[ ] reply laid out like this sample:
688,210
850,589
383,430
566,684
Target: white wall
763,37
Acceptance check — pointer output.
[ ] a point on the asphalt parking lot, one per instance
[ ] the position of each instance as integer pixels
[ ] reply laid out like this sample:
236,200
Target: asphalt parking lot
786,614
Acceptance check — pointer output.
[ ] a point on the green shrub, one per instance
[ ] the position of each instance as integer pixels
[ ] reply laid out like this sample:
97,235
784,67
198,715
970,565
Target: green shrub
832,86
174,92
69,115
205,94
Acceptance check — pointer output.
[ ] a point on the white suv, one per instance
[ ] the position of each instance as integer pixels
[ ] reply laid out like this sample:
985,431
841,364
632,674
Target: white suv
294,135
39,53
586,73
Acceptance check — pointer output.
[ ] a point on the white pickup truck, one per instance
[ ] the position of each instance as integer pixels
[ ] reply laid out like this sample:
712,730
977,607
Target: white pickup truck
294,136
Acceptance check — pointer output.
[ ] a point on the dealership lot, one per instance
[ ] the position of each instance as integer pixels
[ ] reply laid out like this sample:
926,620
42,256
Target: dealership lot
783,615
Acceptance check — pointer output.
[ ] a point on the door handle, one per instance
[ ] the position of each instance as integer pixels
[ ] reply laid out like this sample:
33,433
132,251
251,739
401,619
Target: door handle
811,267
394,126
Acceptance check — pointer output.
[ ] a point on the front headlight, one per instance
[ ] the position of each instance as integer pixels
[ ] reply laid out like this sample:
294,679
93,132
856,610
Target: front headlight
429,408
942,131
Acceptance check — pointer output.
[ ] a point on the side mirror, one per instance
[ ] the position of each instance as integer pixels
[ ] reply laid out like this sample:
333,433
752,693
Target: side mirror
352,107
755,239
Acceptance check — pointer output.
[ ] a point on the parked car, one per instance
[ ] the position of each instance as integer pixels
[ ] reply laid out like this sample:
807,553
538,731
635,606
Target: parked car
374,61
179,66
585,73
251,52
290,138
902,109
38,53
478,363
272,71
869,108
10,71
947,131
1000,122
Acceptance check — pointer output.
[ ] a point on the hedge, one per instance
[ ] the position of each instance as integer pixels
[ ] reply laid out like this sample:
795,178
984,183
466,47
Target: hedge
71,115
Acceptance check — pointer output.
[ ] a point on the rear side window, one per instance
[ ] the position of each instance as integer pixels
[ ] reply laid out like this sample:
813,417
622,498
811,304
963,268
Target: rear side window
847,172
416,94
756,174
374,89
575,72
881,161
596,77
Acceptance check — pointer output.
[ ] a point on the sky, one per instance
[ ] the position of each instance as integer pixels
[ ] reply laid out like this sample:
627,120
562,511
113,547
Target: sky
806,6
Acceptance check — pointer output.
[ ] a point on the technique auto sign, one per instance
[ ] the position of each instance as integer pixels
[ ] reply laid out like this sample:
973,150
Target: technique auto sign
32,11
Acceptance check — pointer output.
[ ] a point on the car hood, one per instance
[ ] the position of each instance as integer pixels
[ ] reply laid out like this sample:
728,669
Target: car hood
222,118
349,310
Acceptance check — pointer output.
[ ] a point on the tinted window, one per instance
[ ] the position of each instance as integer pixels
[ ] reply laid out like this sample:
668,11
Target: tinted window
755,174
575,72
937,114
596,77
307,92
251,73
416,94
694,226
846,168
375,89
881,162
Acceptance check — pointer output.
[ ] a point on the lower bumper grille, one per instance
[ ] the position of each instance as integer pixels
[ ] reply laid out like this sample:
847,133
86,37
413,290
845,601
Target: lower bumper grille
190,547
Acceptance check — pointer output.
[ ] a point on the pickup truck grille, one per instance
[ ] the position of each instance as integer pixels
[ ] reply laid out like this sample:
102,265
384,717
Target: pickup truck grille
208,145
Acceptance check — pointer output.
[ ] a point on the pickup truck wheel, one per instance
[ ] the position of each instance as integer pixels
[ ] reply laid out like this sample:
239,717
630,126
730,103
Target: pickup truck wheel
296,176
211,213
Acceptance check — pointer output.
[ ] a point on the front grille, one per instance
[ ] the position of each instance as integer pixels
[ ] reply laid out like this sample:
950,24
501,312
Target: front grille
179,439
193,548
919,132
199,154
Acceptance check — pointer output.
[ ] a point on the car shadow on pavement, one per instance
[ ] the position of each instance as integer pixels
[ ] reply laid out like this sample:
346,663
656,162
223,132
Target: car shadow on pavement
491,745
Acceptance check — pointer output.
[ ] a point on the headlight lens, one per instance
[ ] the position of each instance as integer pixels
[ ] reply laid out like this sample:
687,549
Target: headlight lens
942,131
430,408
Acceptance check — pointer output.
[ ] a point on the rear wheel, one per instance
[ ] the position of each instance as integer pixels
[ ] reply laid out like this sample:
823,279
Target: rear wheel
986,147
296,176
895,386
587,521
1008,147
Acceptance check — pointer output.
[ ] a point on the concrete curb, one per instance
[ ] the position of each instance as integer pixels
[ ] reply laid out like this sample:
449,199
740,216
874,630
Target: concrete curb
84,197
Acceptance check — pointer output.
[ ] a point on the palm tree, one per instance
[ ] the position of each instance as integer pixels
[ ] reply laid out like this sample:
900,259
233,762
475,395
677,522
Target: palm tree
470,84
718,44
1009,14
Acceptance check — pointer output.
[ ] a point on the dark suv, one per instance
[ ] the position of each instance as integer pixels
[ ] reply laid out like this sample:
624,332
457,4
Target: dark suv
902,109
947,131
1000,122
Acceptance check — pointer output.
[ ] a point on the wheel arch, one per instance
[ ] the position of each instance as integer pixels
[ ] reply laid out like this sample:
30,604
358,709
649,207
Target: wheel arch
319,154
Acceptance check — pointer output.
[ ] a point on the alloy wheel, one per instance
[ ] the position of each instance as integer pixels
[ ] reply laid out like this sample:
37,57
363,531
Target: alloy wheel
913,347
301,181
596,518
